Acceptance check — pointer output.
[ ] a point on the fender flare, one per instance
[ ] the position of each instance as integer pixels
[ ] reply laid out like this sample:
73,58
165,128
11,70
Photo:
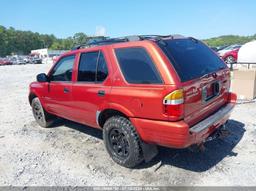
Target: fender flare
112,106
117,107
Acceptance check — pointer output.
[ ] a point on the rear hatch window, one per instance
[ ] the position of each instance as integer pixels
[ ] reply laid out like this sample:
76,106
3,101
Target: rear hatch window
204,77
191,58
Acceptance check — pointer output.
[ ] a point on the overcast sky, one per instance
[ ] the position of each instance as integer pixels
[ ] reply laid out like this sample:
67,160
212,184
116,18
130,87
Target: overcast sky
198,18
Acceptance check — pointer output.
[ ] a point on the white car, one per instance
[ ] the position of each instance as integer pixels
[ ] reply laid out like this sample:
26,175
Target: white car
227,49
247,53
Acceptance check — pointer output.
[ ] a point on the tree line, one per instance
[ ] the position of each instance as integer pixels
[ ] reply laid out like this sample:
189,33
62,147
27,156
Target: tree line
229,40
22,42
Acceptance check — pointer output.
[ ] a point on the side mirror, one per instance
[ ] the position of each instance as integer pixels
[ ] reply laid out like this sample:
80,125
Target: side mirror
42,77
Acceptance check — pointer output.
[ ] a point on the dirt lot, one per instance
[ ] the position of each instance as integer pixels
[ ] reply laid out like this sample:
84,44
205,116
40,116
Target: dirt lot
72,154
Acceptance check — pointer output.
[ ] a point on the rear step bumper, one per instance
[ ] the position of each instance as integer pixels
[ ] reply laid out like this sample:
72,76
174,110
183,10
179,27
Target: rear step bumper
179,134
216,117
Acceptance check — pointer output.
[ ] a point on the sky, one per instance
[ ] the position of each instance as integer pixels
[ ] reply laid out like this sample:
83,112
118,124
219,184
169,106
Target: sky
198,18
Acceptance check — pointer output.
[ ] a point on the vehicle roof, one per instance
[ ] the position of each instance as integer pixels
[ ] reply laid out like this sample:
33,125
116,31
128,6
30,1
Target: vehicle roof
122,41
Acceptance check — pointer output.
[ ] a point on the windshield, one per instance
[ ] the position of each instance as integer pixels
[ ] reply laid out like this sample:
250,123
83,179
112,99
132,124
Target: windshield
191,58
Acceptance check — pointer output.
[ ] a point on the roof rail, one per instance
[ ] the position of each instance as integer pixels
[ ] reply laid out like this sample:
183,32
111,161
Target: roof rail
96,42
160,37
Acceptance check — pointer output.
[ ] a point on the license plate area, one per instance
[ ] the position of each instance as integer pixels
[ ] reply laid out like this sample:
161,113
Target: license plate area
210,91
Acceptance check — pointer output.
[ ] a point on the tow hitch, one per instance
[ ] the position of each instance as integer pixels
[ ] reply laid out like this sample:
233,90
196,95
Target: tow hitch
221,133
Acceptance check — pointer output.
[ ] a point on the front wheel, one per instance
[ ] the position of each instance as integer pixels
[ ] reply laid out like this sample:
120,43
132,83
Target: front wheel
43,118
122,142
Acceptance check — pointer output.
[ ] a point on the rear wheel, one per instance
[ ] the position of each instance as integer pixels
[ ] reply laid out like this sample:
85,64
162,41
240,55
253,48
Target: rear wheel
43,118
230,60
122,142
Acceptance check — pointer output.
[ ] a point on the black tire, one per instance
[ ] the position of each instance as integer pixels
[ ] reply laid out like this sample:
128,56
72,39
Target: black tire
122,142
43,118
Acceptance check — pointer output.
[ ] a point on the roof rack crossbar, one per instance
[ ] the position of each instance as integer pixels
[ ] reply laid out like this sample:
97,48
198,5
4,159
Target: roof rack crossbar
124,39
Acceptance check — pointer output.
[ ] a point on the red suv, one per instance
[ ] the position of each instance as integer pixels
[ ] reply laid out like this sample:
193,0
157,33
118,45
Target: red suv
142,91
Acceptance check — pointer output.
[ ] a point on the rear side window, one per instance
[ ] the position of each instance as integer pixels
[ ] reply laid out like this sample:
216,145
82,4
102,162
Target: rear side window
92,67
191,58
137,66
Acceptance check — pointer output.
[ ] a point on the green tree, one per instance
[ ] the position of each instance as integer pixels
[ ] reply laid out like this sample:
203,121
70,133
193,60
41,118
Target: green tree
80,38
228,40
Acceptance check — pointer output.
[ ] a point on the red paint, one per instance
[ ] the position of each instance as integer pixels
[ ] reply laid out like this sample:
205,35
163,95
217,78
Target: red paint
5,62
142,104
233,53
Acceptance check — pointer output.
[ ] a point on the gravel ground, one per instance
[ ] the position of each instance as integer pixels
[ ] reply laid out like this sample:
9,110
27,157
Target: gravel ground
73,154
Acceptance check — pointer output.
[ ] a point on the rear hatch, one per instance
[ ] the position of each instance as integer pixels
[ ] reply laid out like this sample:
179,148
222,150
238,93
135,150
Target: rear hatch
204,77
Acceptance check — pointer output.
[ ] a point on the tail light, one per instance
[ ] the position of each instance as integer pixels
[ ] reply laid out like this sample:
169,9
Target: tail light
174,105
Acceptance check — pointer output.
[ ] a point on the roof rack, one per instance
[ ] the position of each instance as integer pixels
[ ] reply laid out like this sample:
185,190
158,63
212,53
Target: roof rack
107,41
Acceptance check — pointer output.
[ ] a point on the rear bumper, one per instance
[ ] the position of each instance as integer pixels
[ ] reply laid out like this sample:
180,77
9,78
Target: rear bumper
179,134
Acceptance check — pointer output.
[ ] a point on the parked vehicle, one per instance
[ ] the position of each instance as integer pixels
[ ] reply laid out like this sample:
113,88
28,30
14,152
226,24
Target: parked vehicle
26,59
142,91
231,56
17,60
5,61
247,53
221,47
227,49
36,60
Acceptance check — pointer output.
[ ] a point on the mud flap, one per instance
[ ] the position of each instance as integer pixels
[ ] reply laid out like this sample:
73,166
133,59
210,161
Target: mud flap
149,151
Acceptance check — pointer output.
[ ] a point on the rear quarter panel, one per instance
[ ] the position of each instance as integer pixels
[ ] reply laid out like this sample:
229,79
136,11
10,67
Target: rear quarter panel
142,100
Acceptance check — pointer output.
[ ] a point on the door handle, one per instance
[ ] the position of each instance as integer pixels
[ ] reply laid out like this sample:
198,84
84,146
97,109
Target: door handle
101,93
66,90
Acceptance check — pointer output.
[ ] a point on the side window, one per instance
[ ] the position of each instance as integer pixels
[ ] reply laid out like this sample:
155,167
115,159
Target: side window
63,69
92,67
87,66
102,70
137,66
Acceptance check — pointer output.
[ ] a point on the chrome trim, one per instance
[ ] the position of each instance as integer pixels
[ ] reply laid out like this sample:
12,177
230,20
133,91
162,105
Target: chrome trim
206,123
97,116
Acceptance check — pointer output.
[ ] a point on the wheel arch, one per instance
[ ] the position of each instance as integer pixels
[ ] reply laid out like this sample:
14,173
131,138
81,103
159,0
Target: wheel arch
104,115
108,110
31,96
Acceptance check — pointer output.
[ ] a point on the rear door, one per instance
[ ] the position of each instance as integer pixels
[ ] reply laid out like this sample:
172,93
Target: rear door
203,75
92,86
